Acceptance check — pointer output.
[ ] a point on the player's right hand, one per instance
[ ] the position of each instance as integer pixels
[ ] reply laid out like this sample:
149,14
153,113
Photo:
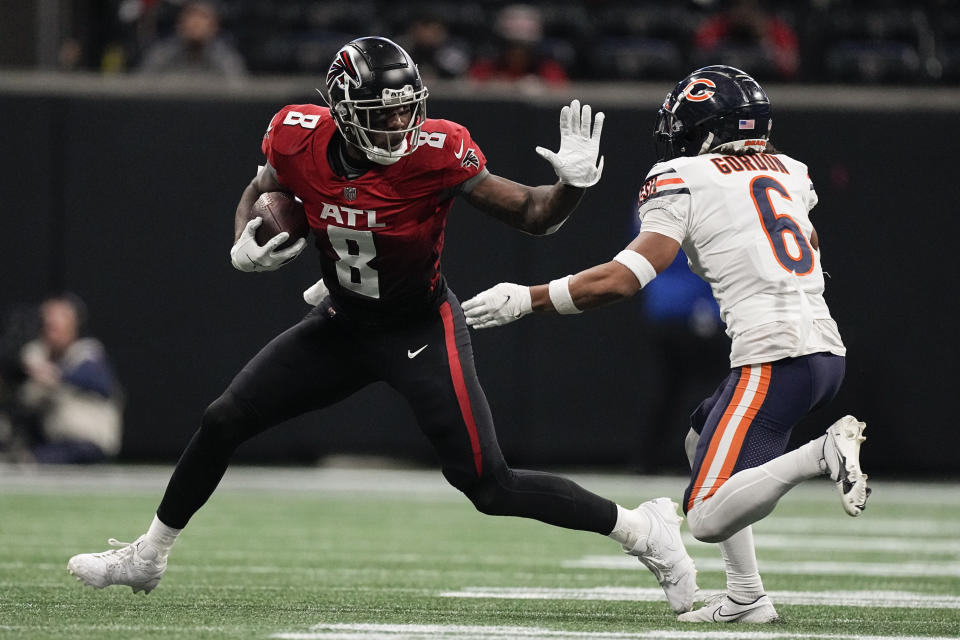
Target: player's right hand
499,305
247,255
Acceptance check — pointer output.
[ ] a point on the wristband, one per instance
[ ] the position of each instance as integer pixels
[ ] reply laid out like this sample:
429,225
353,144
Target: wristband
560,296
639,265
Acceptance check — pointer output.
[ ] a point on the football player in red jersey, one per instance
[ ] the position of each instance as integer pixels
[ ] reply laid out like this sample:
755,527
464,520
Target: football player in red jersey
377,179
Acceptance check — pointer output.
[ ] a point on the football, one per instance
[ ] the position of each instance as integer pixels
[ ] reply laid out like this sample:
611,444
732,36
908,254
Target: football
280,212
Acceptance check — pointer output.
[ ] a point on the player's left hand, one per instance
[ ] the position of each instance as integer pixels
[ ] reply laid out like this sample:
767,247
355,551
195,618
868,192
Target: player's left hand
500,304
576,161
247,255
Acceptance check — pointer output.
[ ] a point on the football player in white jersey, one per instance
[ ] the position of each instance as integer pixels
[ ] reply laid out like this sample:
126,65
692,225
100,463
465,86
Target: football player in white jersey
740,211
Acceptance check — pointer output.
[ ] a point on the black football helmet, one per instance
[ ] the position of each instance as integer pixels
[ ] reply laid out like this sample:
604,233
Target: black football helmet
368,79
713,107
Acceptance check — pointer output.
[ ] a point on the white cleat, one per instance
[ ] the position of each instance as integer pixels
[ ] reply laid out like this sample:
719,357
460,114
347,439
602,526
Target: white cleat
135,564
841,452
662,552
720,608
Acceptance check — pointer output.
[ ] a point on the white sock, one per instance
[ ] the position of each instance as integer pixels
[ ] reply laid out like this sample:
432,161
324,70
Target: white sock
160,536
803,463
740,558
630,527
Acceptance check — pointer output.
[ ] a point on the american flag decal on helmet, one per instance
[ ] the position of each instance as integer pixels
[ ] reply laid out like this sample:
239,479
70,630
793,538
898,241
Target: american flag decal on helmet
747,124
343,71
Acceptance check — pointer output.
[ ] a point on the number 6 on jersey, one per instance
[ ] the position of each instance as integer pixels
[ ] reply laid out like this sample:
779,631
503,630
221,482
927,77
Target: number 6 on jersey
795,256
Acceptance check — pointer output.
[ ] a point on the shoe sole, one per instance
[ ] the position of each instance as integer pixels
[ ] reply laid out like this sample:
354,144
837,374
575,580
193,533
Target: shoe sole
850,465
150,586
745,618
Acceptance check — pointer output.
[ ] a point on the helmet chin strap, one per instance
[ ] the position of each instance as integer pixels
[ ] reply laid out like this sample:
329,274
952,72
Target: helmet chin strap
383,157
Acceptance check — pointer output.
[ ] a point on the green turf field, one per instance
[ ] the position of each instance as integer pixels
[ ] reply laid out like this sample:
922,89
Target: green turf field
353,553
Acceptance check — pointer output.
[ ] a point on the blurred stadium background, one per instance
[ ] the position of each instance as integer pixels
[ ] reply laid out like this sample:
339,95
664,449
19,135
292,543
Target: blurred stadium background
122,186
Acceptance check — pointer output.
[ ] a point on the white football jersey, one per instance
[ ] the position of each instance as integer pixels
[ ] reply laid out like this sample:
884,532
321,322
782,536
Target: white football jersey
744,223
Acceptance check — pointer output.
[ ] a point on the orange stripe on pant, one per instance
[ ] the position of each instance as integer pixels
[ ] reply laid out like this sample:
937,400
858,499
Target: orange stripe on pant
727,439
460,385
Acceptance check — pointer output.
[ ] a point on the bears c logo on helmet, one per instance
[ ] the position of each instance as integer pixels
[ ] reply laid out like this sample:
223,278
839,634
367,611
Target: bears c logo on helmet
343,71
691,93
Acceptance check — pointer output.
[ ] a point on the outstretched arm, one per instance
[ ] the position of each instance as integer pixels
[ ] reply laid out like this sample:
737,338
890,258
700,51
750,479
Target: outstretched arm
543,209
621,278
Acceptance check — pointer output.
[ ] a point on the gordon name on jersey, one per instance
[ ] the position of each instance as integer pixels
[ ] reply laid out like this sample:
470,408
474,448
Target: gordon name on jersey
744,223
381,233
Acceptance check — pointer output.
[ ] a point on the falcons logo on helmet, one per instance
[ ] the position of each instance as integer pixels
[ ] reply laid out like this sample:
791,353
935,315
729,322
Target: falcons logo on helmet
343,71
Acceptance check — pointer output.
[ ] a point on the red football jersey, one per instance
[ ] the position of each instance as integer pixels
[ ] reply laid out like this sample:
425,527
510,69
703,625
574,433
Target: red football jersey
381,234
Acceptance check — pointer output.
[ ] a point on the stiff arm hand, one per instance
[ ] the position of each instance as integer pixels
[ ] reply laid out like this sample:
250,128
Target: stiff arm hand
247,255
500,304
576,161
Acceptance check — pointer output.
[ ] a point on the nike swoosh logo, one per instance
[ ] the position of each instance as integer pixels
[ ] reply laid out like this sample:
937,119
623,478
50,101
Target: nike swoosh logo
414,354
719,612
459,154
844,477
505,304
516,315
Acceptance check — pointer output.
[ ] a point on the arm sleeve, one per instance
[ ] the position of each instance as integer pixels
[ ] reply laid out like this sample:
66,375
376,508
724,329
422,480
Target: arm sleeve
289,131
811,199
462,158
663,205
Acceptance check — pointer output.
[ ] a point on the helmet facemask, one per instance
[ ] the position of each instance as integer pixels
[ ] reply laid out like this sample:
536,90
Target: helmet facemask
362,122
672,138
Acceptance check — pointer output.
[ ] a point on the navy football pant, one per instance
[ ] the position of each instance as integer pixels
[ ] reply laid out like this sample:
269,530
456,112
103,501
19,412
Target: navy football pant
748,419
324,358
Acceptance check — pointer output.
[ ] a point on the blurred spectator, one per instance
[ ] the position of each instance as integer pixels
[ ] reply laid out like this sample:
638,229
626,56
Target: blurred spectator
745,35
519,55
20,326
67,407
196,47
438,55
690,348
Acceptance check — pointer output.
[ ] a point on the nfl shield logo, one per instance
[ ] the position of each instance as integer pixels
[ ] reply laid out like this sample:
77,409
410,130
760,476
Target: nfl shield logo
350,193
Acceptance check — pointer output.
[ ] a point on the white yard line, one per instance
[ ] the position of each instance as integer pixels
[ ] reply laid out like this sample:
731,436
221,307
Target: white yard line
800,567
434,631
382,477
883,599
894,568
863,544
918,530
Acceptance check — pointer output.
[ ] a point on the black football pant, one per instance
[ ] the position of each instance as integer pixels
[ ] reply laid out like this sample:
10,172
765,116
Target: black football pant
325,358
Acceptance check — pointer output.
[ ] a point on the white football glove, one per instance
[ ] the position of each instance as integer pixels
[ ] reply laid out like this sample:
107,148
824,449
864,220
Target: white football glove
247,255
576,162
315,294
500,304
